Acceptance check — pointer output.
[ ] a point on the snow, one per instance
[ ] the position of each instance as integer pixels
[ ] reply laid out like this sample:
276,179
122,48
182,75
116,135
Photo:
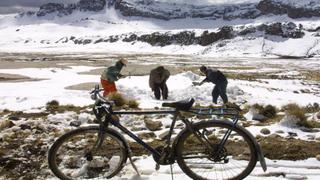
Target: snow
30,34
52,83
292,169
26,95
14,96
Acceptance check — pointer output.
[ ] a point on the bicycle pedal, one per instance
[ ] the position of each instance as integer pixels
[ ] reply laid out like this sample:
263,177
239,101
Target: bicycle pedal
157,167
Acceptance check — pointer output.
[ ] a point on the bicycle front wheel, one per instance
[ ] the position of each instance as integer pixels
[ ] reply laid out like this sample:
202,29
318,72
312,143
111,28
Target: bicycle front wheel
200,159
73,155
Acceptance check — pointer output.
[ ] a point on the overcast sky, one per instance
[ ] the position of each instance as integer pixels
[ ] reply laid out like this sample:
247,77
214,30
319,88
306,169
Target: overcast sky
12,6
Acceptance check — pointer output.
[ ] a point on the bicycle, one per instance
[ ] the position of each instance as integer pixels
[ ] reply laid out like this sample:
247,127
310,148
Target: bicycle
212,149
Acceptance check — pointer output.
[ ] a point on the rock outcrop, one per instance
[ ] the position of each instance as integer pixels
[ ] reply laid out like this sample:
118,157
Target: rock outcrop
91,5
171,10
278,7
50,8
150,9
185,38
62,10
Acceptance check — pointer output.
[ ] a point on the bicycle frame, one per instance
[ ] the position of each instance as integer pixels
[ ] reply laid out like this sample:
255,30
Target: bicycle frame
175,113
136,138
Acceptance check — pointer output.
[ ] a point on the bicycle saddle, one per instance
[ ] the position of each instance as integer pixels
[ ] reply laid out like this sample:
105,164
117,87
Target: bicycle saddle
180,105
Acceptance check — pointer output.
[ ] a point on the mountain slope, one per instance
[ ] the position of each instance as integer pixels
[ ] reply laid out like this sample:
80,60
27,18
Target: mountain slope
222,28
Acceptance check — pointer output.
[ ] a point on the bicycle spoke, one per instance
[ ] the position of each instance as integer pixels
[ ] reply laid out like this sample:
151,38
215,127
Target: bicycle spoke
201,163
76,157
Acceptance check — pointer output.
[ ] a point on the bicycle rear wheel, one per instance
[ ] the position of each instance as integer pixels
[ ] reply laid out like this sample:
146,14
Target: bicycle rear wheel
236,159
72,155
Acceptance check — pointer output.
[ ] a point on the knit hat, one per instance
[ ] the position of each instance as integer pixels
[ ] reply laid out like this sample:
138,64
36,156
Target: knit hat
123,61
203,68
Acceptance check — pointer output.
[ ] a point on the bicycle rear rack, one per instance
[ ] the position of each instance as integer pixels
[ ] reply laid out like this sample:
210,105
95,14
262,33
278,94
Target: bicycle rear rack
214,111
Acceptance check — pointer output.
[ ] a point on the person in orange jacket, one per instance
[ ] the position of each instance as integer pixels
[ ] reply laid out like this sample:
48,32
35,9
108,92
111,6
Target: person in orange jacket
110,75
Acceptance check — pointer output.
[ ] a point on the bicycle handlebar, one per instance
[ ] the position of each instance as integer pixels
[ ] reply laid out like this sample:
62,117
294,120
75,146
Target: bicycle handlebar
95,95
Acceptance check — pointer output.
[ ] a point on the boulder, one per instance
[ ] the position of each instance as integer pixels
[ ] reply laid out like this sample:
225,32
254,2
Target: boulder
156,39
164,135
14,118
153,125
279,131
274,136
6,124
318,157
146,135
265,131
274,29
292,134
247,30
185,38
311,137
226,32
24,126
76,123
86,41
130,38
285,30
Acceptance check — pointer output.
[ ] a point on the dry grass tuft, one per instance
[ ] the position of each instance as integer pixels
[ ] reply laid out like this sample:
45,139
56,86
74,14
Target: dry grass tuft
117,98
296,111
120,101
52,106
268,111
133,104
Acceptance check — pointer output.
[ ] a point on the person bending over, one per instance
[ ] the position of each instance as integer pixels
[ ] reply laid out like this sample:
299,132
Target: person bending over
157,82
219,79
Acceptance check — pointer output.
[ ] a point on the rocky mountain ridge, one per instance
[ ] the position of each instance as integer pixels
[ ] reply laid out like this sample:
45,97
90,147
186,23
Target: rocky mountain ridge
63,10
172,10
188,37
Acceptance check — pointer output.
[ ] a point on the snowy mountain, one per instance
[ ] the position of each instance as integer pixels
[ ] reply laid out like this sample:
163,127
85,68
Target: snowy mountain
211,28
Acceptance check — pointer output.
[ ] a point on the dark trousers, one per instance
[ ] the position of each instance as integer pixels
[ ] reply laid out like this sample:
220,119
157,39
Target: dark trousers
161,89
220,90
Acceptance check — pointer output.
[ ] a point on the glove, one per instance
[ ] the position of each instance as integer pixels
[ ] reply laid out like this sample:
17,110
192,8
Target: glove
195,83
121,76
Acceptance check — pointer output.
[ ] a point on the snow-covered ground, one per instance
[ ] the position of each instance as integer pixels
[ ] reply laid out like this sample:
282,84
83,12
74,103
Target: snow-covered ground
31,96
306,169
19,96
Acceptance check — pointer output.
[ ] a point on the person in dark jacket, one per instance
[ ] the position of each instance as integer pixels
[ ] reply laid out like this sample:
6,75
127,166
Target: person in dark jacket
110,75
157,82
218,78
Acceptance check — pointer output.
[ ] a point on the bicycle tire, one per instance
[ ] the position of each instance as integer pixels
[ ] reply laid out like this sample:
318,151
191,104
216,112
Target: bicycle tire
92,131
184,142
